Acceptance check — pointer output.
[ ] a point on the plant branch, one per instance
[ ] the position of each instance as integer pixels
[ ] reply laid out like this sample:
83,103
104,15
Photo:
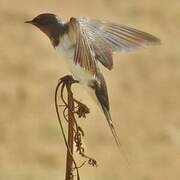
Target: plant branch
75,133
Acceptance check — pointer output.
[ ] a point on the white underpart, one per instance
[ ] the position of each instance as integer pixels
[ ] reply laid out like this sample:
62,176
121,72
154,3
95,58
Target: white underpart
66,49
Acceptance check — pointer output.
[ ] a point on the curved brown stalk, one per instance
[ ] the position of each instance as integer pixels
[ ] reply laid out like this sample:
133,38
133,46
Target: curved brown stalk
75,133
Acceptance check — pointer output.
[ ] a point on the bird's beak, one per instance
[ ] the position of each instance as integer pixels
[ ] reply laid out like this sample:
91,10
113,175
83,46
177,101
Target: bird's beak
30,22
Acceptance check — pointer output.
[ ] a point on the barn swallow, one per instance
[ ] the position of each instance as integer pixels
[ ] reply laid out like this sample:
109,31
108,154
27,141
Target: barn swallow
85,43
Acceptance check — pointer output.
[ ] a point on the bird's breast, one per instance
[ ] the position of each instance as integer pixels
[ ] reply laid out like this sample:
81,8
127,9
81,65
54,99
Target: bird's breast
66,49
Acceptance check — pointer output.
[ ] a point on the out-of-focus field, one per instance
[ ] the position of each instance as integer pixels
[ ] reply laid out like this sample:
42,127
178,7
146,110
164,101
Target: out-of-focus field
144,90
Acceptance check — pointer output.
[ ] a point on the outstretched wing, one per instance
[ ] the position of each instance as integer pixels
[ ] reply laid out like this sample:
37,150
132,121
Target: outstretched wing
97,40
121,37
90,47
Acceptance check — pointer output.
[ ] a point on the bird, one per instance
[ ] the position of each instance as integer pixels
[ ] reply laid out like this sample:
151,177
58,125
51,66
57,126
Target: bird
86,43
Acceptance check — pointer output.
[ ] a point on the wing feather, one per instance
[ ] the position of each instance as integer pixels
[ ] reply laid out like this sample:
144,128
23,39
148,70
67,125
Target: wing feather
97,40
132,37
83,51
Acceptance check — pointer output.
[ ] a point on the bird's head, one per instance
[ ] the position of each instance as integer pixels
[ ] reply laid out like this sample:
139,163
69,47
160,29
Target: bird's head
50,24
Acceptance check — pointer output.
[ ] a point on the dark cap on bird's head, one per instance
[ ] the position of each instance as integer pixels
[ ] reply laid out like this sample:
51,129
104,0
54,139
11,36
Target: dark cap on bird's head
44,20
50,24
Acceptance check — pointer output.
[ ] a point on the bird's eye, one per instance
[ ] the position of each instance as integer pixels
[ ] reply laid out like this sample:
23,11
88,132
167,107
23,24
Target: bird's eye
46,22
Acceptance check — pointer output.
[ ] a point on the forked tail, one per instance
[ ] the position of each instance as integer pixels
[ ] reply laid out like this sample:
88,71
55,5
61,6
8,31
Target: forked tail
102,95
113,131
99,86
109,120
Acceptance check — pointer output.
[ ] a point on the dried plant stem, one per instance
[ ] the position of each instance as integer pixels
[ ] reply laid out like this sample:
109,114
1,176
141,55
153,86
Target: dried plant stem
63,82
69,160
75,132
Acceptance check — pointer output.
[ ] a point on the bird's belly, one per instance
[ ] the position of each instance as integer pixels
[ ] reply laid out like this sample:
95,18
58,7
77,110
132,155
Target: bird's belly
66,50
79,73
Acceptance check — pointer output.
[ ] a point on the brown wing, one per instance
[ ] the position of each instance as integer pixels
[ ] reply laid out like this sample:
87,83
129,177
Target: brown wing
96,40
83,55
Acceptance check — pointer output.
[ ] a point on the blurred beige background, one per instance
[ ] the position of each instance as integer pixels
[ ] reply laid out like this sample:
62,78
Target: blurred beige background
144,90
